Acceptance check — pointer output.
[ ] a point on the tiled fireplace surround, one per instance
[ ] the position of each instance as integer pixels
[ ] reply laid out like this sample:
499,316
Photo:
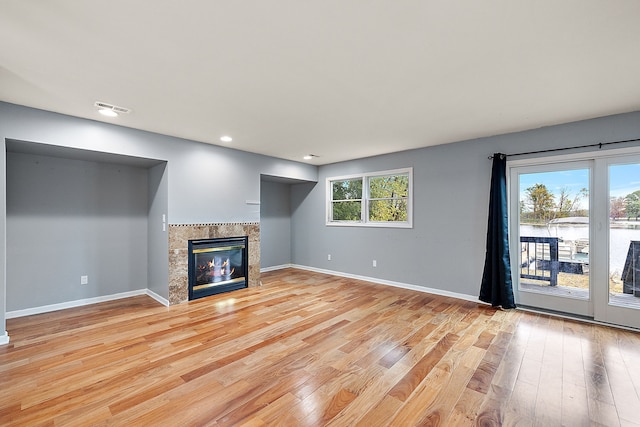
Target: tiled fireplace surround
179,236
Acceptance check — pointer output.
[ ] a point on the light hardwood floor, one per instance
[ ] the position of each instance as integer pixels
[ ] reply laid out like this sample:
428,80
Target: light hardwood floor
308,349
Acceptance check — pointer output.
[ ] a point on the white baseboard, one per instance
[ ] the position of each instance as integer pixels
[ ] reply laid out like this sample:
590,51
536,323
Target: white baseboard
162,300
4,339
425,289
76,303
276,267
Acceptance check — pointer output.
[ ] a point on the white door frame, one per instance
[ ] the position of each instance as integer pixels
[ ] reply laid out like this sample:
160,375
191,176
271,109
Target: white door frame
576,306
597,306
603,311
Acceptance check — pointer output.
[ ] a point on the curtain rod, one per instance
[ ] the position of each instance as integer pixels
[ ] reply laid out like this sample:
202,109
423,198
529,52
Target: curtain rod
599,145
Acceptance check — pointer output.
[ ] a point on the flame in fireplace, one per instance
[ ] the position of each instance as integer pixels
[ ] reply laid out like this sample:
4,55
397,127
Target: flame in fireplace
218,268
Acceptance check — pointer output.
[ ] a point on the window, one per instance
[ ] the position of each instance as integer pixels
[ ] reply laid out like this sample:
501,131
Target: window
377,199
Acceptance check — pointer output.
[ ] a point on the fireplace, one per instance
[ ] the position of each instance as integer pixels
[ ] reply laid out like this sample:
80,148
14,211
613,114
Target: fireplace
217,265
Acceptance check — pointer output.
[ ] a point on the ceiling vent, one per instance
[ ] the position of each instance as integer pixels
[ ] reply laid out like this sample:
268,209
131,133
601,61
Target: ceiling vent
115,108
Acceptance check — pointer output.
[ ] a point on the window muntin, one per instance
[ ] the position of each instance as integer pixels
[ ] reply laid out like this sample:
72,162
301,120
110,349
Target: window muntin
371,199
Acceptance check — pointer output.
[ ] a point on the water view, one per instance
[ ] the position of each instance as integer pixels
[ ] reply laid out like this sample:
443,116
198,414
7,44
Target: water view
622,233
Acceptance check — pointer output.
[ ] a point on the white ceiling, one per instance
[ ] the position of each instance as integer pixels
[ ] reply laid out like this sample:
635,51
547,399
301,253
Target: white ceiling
341,79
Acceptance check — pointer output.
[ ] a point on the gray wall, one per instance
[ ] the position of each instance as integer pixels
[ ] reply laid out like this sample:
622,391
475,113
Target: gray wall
193,170
67,218
275,224
199,172
445,249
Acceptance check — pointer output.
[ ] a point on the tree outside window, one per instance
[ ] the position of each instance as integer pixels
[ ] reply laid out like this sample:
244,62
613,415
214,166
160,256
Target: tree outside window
388,197
374,199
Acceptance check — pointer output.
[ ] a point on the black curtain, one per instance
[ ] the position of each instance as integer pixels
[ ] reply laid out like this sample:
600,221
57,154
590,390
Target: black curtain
496,287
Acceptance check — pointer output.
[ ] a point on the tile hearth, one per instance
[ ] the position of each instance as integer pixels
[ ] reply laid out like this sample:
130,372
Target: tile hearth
179,236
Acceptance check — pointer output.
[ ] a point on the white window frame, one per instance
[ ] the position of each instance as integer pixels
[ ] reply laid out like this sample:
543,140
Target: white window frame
364,211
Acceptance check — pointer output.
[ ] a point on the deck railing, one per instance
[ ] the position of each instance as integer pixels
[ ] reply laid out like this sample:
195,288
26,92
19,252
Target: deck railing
540,259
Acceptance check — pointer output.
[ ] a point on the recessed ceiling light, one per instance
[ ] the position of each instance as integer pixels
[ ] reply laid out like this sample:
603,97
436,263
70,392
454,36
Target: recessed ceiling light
108,113
110,110
309,156
226,138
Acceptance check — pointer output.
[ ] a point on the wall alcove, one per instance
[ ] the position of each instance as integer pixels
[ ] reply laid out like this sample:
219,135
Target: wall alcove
74,212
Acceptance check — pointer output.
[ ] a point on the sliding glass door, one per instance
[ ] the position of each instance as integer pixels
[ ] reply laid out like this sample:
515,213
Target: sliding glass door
551,219
618,300
575,235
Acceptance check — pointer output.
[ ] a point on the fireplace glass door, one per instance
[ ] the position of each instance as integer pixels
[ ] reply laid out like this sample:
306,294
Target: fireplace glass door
217,265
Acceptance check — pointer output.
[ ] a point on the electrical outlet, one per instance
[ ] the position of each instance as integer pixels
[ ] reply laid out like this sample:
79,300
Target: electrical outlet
375,263
329,257
84,280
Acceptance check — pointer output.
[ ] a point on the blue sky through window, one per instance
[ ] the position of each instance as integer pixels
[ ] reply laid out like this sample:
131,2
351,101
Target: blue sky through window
573,180
623,179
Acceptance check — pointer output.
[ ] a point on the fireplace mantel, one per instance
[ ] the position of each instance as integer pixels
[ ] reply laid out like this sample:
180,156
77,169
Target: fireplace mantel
179,236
